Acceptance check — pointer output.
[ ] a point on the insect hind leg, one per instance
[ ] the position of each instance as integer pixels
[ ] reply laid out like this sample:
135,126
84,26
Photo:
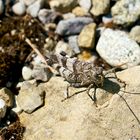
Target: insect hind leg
93,98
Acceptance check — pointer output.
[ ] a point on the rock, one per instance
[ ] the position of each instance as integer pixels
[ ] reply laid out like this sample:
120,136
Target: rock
34,8
50,44
17,109
73,43
72,26
86,38
30,97
79,12
26,73
129,74
135,33
107,19
3,108
68,15
29,2
100,7
63,46
116,48
41,72
49,16
19,8
125,12
63,6
78,118
86,4
1,7
7,96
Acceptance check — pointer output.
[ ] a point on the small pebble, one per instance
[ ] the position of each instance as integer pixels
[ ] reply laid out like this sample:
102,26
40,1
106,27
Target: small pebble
63,46
7,96
100,7
26,73
19,8
72,26
1,7
3,108
63,6
86,38
42,73
30,97
34,8
86,4
73,43
135,33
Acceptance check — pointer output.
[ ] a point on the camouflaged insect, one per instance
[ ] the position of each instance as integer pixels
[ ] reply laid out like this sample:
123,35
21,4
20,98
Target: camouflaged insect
77,73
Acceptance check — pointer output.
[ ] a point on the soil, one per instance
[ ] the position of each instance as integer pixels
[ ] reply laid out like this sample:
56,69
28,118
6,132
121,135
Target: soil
13,48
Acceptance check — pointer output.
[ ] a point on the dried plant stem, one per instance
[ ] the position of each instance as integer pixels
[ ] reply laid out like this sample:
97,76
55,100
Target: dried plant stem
34,47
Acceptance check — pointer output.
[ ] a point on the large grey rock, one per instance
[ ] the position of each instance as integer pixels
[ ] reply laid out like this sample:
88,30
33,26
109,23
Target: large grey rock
117,48
126,12
100,7
7,96
86,38
63,6
72,26
78,119
135,33
30,97
19,8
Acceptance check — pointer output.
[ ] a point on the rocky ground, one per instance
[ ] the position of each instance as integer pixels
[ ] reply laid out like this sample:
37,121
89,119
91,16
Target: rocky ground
32,104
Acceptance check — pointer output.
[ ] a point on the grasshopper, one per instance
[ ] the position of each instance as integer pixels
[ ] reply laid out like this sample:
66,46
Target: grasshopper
77,73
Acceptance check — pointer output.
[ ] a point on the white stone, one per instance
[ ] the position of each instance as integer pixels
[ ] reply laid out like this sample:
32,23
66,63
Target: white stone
1,7
19,8
126,12
3,108
34,8
86,4
26,73
117,48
